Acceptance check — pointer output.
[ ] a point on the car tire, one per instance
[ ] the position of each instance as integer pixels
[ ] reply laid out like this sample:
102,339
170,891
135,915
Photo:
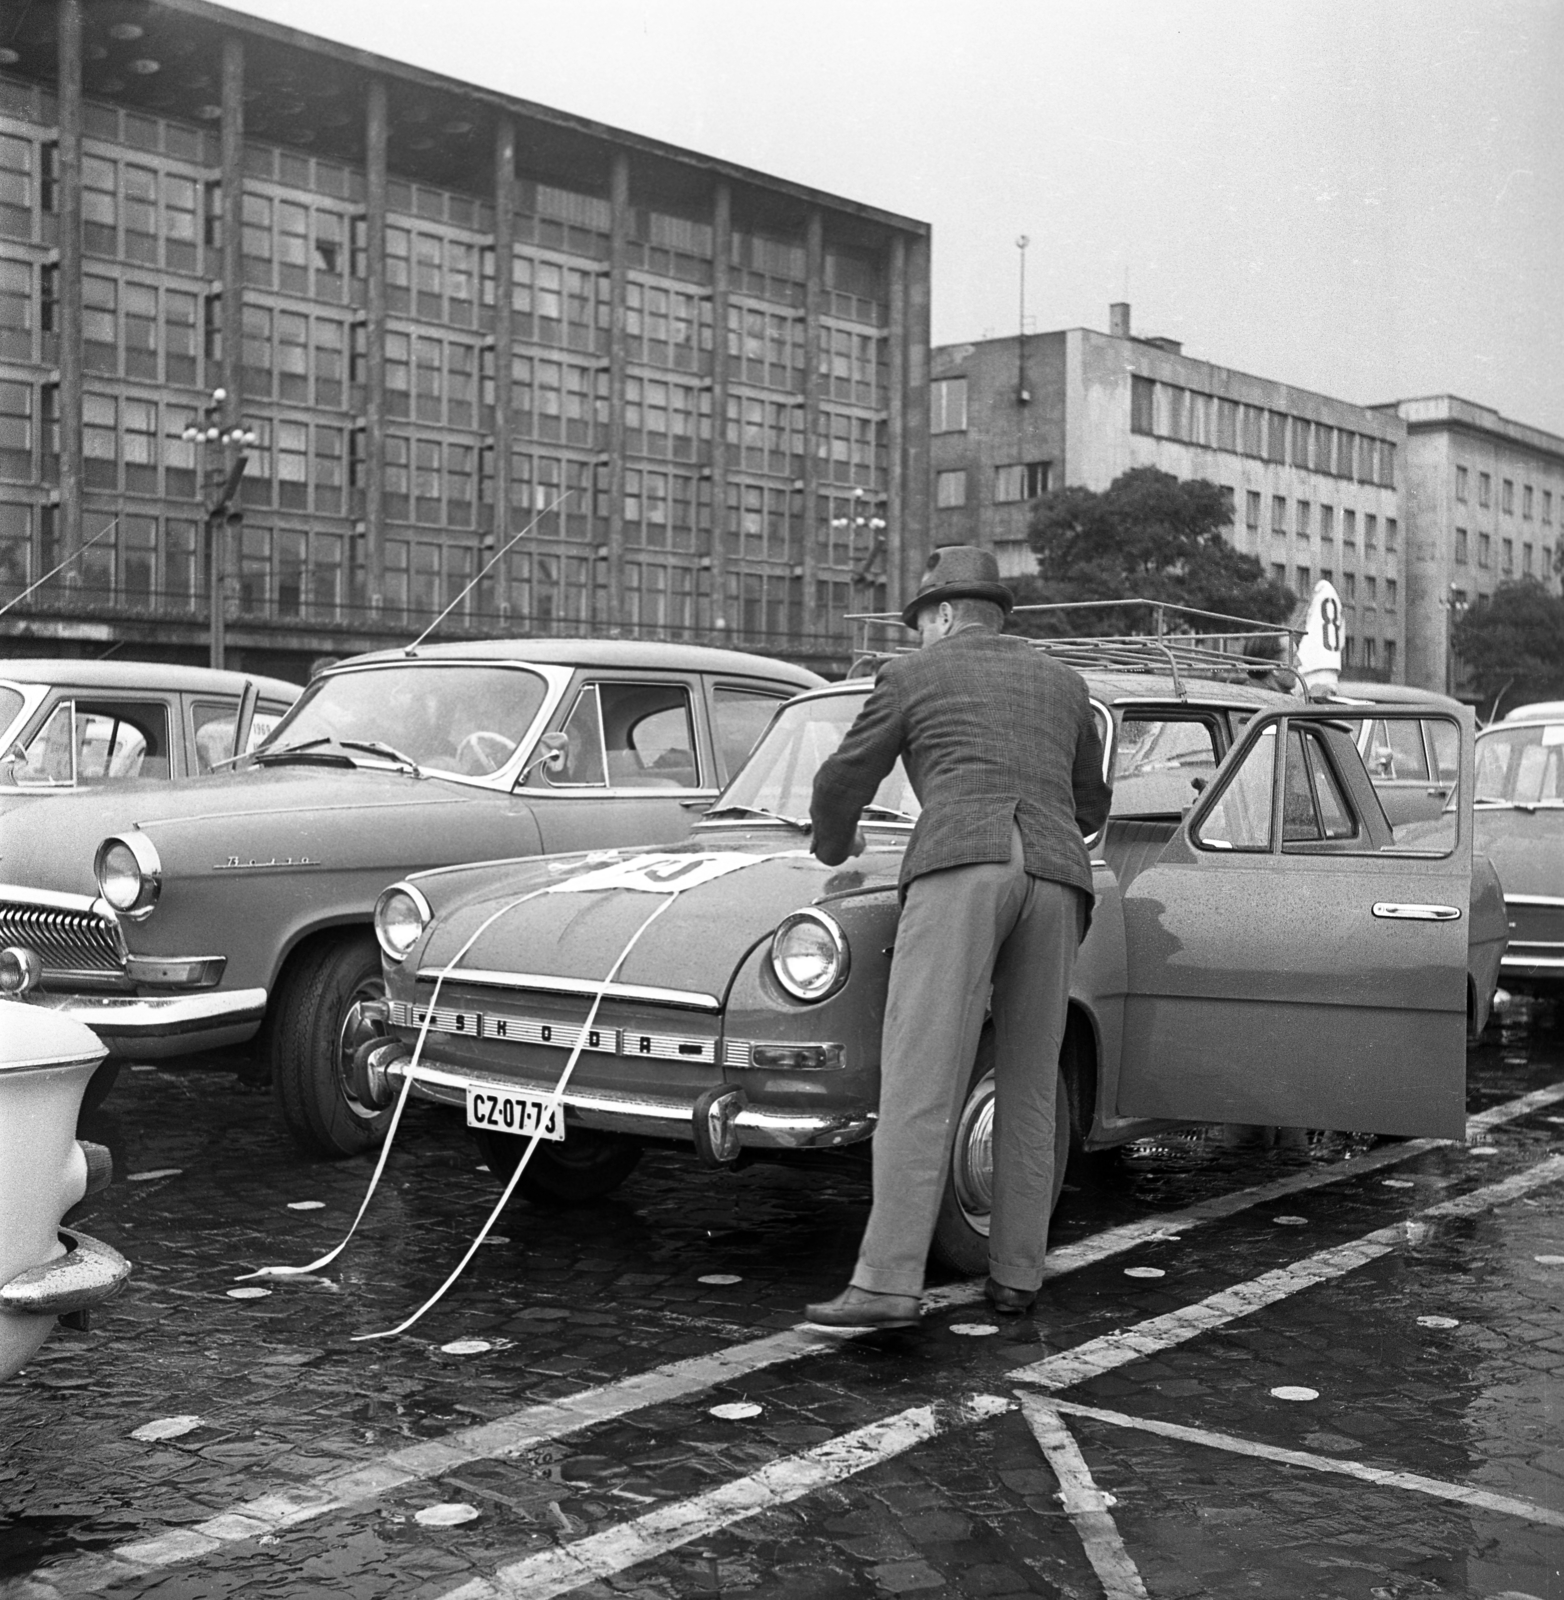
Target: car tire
318,1026
585,1167
961,1228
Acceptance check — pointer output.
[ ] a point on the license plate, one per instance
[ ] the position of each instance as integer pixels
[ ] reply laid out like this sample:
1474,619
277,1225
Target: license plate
509,1111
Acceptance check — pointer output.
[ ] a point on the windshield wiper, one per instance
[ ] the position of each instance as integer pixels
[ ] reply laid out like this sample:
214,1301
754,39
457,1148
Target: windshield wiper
377,747
889,812
801,823
288,750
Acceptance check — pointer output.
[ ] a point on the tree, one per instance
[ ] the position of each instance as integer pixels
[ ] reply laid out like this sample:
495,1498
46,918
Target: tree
1513,646
1148,535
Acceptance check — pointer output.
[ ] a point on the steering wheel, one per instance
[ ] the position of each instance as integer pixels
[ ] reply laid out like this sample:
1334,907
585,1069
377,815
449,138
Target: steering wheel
483,750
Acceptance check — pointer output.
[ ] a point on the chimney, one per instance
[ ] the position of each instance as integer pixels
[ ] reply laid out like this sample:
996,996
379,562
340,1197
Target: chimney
1119,319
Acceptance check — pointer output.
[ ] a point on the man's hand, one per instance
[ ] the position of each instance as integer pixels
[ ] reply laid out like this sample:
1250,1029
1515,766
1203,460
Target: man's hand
857,848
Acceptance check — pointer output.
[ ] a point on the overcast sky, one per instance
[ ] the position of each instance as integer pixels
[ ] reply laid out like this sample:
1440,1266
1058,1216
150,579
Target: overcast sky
1362,197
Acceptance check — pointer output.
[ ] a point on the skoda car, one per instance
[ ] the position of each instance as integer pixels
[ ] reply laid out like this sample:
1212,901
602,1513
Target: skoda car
183,917
1263,950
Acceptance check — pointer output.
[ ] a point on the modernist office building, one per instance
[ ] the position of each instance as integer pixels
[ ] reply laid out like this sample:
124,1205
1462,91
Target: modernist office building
1484,501
1313,481
447,316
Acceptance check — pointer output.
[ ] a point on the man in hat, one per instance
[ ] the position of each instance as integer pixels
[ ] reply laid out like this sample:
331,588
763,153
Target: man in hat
1002,750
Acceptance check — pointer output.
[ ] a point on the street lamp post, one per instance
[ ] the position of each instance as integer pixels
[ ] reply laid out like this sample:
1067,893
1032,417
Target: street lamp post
862,516
222,468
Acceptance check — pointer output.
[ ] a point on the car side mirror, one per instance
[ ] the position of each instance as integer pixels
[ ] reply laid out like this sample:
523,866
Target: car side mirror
550,755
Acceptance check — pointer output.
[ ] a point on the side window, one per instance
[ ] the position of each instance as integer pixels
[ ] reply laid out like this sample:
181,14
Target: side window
121,740
1241,817
1445,738
648,736
584,765
49,757
1394,751
212,722
1156,761
739,717
1314,809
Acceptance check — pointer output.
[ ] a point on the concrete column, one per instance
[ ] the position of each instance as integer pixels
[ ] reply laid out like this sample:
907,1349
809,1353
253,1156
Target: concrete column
233,222
914,521
896,423
814,293
618,277
721,274
69,175
504,247
375,345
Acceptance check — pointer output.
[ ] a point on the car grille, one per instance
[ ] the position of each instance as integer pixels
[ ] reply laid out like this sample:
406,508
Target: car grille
1536,925
65,940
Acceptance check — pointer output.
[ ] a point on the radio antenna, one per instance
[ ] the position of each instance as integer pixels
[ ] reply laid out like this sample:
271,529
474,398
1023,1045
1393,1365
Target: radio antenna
478,576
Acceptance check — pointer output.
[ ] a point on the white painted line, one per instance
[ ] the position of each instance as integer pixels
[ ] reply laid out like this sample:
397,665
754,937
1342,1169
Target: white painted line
600,1555
1084,1503
1462,1494
331,1491
1097,1356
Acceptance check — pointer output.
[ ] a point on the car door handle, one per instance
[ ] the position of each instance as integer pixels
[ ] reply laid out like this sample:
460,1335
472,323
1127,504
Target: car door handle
1436,794
1395,911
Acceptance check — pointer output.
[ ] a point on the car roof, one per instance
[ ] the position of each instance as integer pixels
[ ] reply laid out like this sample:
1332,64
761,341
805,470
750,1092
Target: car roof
1538,711
144,675
600,653
1395,694
1140,688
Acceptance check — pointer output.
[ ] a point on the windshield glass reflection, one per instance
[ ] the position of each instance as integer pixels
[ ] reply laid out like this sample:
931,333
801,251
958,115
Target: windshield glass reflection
465,721
1521,766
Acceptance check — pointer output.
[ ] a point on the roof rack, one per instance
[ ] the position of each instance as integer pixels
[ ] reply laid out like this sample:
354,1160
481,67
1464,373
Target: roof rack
1177,646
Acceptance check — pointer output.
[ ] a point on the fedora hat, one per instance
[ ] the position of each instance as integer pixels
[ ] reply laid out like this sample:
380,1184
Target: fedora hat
958,572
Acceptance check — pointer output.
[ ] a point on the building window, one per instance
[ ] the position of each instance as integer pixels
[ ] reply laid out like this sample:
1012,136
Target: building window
1547,505
1279,574
1327,524
1370,533
1484,550
948,405
1371,588
1025,480
1369,646
1349,586
1279,514
1460,484
1305,581
1390,534
950,489
1484,489
16,184
1507,497
1391,586
1526,502
1143,395
139,443
1527,556
16,430
1390,658
1349,530
1252,510
1507,555
1460,546
1301,518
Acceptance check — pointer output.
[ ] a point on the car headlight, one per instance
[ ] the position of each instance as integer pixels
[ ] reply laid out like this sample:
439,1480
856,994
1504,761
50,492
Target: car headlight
809,955
129,873
401,915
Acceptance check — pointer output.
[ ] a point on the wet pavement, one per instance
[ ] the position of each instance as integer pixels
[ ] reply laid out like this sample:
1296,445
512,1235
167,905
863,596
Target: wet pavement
1335,1370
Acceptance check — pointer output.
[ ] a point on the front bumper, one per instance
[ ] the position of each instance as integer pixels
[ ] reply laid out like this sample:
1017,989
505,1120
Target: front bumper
649,1118
152,1026
89,1273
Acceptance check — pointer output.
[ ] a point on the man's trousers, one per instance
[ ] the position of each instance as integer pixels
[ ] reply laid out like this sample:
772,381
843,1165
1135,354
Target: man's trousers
960,929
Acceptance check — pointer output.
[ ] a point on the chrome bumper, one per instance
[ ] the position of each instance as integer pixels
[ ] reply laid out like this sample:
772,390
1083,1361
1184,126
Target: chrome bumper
655,1118
1521,963
89,1273
151,1026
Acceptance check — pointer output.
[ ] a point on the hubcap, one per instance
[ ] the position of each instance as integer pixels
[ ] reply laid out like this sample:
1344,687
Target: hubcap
357,1029
972,1156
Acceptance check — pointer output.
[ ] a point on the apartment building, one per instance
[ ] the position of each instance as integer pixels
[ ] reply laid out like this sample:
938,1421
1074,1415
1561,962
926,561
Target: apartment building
1313,480
441,318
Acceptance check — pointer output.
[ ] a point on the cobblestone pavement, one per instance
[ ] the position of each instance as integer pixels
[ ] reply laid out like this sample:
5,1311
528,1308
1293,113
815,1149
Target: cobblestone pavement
1315,1373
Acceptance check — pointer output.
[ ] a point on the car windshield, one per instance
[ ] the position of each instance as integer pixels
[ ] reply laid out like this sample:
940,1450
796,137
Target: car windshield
779,776
462,720
1521,766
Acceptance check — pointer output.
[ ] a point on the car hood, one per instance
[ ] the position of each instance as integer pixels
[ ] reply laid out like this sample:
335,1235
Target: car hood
1526,848
257,815
538,924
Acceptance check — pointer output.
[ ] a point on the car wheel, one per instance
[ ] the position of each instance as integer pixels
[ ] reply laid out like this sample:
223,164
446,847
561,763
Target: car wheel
320,1023
584,1167
961,1229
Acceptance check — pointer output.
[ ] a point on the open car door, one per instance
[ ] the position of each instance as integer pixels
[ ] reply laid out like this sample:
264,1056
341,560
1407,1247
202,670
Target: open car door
1290,961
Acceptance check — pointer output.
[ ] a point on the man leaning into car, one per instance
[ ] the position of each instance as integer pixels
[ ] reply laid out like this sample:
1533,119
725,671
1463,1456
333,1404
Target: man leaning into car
1002,750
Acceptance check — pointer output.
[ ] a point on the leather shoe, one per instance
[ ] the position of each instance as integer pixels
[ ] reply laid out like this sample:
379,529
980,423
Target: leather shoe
1009,1302
866,1308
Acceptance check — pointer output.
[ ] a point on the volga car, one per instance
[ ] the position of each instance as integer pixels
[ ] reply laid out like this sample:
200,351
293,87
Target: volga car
182,917
1520,824
1263,950
66,725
